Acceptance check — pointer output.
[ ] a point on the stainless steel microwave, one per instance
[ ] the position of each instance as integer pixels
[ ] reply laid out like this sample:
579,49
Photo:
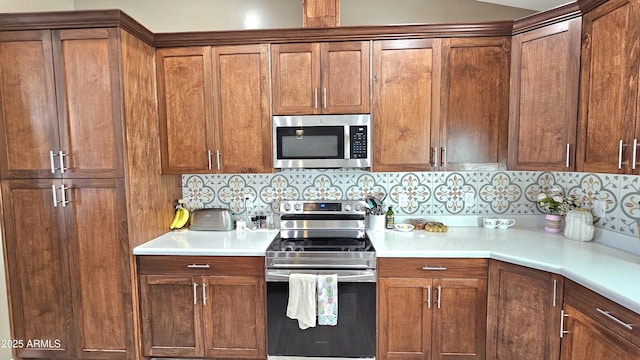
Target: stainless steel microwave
322,141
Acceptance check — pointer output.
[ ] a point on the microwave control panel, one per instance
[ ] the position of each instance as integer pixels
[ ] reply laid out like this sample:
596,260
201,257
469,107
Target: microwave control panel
358,136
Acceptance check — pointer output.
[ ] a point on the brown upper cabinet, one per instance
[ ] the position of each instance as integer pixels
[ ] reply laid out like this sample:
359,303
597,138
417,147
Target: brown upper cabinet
545,67
321,13
214,109
475,104
68,126
321,78
608,118
440,104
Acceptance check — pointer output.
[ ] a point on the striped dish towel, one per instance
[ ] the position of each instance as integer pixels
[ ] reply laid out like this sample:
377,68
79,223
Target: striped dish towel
327,299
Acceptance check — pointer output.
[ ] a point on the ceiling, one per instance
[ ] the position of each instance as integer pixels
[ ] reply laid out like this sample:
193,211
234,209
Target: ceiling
537,5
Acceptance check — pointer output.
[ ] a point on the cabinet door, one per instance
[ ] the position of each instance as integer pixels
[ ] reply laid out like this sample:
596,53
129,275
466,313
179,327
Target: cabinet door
242,121
475,104
89,102
544,97
185,108
99,265
295,78
234,318
36,260
345,77
523,313
28,115
459,319
406,101
171,316
321,13
604,86
404,318
587,339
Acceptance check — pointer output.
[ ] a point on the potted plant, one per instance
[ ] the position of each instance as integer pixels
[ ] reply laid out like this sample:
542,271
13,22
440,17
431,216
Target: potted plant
555,205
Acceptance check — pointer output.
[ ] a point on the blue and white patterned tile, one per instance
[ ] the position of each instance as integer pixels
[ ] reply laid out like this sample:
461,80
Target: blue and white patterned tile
365,186
543,183
234,192
279,188
629,205
197,192
449,193
501,193
414,191
322,188
586,188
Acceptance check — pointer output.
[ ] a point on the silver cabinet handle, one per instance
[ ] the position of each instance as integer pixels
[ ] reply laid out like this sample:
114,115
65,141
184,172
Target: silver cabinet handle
429,296
567,164
439,295
615,319
199,266
63,196
432,268
562,316
55,197
621,144
435,157
635,152
53,162
315,98
195,294
443,156
324,97
555,291
218,158
61,156
204,293
209,158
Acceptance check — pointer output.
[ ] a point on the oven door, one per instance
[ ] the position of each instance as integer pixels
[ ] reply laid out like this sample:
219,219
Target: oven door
354,335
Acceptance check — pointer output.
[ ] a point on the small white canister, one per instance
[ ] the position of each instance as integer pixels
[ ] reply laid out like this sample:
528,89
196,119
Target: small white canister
579,225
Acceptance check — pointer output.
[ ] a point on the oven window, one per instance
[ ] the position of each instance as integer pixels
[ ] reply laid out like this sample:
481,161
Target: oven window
354,336
320,142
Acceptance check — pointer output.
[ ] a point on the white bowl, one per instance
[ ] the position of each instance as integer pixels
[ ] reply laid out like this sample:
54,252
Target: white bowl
404,227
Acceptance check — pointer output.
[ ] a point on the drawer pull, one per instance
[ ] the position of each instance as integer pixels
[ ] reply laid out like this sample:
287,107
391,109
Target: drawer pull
199,266
434,268
620,322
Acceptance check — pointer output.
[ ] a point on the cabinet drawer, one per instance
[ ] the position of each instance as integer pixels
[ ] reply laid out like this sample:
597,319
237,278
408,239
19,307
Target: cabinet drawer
201,265
595,306
432,267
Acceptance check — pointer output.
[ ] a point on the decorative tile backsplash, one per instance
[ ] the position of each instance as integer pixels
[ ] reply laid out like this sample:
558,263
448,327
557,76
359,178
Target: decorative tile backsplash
421,193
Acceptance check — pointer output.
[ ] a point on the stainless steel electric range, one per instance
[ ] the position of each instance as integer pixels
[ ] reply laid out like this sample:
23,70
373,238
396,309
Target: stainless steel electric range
323,237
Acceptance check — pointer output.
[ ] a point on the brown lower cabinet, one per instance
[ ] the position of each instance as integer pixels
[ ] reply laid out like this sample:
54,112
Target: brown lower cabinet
209,307
524,310
431,308
597,328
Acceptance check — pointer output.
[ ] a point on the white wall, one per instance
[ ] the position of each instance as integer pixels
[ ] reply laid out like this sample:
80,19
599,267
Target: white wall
35,5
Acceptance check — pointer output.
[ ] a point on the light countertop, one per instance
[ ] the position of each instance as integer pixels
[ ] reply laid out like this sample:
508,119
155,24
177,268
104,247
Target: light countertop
607,271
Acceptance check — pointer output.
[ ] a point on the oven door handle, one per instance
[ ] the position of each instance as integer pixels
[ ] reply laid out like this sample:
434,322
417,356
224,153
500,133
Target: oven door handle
366,277
317,266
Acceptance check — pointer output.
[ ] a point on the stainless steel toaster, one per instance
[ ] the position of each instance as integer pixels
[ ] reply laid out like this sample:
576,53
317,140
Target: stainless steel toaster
212,219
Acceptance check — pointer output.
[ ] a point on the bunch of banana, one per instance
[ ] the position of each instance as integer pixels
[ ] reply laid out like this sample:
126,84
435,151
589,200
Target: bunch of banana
181,217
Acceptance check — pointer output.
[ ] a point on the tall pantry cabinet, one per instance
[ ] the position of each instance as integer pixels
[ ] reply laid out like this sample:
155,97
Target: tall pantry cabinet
77,129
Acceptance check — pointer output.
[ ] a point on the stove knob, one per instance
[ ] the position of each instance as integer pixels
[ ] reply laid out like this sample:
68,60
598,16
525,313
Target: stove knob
357,207
347,207
287,207
297,207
